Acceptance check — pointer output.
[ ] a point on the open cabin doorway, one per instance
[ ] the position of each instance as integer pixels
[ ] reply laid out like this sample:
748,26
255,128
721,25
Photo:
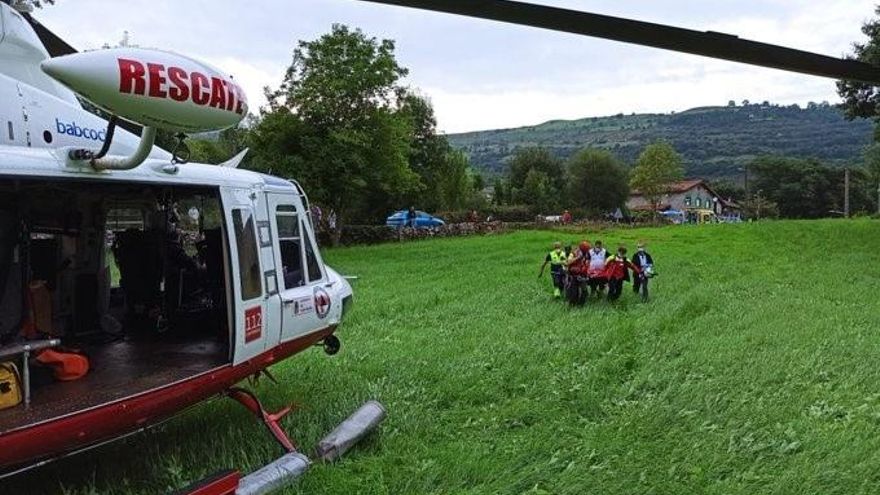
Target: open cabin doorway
133,276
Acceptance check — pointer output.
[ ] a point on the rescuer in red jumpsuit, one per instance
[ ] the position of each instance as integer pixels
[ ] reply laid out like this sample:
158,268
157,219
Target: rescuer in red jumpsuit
616,271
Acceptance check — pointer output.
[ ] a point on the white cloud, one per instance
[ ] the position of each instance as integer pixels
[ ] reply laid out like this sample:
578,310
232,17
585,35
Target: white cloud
251,77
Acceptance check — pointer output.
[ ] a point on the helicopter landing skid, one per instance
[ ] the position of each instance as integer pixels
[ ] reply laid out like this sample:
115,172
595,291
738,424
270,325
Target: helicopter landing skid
250,401
290,466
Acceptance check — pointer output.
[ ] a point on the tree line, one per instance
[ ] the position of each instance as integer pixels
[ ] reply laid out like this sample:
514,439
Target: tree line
593,181
785,187
363,144
596,182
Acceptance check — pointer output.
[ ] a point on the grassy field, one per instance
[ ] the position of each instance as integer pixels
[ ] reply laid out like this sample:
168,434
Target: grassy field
753,370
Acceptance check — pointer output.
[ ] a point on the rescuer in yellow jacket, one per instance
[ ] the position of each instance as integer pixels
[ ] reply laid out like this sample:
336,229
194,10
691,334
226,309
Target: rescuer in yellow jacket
557,259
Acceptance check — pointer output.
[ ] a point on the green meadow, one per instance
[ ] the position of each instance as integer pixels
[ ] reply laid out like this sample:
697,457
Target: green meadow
754,369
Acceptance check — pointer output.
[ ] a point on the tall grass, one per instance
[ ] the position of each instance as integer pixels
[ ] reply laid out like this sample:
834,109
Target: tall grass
752,370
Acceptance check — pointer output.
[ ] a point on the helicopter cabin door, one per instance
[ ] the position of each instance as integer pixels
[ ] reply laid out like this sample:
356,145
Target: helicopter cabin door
248,302
300,273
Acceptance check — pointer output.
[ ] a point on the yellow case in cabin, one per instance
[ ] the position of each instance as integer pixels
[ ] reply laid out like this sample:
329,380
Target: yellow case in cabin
10,386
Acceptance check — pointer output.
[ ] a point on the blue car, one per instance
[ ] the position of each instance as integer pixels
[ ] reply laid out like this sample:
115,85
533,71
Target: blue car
423,220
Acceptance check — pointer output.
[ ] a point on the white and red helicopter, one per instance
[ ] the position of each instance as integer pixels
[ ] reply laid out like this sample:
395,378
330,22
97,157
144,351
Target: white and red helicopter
193,310
175,328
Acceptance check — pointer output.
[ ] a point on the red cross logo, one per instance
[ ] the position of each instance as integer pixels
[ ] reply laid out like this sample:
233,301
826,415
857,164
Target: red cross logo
322,302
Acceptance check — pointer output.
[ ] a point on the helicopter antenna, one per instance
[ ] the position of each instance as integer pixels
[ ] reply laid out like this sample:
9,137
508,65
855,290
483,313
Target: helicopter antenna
180,153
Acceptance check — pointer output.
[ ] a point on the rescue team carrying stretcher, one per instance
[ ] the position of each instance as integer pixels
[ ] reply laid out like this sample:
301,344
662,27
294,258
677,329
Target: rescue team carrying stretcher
590,270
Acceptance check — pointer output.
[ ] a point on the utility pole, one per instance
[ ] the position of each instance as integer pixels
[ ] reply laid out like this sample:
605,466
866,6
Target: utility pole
746,201
846,193
758,204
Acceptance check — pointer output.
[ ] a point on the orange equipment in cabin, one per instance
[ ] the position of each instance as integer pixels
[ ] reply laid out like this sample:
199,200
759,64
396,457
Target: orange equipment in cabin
66,366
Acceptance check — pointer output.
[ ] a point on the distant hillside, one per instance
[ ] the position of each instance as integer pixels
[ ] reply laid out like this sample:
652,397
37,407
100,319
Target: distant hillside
714,141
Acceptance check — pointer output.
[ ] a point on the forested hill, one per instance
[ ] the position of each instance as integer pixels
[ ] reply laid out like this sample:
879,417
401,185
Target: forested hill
714,141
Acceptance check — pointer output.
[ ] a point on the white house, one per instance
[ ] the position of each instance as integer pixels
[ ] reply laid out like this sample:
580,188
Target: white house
686,195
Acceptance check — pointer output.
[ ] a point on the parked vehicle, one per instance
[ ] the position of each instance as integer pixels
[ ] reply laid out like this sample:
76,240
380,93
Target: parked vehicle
676,217
422,221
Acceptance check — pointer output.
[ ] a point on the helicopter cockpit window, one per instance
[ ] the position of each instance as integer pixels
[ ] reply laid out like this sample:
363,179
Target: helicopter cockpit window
290,242
311,259
248,254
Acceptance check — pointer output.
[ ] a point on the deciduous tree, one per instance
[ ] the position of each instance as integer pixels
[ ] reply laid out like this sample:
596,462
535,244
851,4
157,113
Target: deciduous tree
454,181
658,166
445,174
862,99
872,170
727,189
334,124
807,188
547,178
539,190
597,181
500,194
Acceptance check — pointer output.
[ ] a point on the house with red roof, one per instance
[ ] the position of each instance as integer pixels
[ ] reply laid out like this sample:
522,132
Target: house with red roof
687,195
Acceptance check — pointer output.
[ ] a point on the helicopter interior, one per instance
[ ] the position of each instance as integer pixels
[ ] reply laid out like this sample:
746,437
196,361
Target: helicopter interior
132,276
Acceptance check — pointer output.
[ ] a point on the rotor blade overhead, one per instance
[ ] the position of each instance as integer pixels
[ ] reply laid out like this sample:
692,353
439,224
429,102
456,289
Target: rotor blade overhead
57,47
53,43
705,43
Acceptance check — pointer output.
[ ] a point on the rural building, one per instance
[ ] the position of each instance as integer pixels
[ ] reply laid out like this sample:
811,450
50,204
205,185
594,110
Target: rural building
686,195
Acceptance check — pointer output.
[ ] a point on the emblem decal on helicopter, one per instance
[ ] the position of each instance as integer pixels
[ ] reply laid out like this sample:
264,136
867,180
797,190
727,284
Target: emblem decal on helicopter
322,302
74,130
253,324
303,305
182,85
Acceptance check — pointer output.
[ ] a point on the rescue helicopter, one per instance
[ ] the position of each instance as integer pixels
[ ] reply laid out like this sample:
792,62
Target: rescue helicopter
145,283
94,256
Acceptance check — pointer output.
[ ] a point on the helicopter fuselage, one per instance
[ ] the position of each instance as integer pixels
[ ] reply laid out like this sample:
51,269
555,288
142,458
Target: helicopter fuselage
187,321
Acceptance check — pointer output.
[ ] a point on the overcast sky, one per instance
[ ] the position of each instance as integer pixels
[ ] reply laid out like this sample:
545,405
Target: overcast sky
481,74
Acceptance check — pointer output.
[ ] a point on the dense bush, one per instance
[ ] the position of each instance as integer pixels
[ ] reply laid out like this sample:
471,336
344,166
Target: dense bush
457,216
512,213
365,234
374,234
643,216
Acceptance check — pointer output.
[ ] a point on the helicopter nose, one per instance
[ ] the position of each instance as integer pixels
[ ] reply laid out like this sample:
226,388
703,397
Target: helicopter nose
53,68
62,70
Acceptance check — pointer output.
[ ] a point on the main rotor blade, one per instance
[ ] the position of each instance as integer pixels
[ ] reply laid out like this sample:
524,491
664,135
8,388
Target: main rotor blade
53,43
705,43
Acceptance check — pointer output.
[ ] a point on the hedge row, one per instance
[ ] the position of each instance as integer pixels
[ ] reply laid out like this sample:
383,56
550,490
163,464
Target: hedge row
494,213
374,234
516,213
